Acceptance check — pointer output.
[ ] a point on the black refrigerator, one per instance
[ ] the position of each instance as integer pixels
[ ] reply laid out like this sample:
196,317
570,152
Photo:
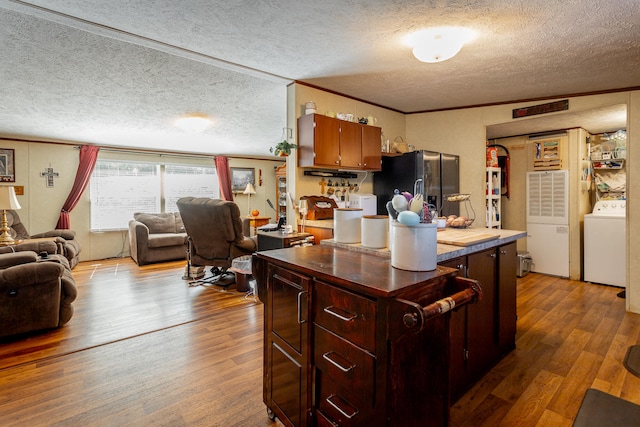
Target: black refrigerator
440,174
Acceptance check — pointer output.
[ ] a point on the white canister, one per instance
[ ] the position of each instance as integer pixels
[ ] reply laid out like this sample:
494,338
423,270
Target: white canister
346,225
415,247
310,107
375,229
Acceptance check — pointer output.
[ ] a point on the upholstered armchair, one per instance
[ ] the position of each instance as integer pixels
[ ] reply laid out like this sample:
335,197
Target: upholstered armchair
36,292
156,237
215,233
68,246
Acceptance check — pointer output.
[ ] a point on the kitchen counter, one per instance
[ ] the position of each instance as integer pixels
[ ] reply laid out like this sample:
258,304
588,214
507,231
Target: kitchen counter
445,252
322,223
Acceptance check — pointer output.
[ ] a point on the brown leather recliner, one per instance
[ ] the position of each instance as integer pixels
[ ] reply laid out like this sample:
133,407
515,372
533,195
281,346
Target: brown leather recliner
35,292
68,246
215,232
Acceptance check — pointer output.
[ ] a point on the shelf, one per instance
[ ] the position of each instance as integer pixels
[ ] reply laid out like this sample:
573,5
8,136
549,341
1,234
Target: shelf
493,197
615,164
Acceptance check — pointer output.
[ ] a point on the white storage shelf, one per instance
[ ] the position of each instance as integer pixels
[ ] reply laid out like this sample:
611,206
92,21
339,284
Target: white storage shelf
493,197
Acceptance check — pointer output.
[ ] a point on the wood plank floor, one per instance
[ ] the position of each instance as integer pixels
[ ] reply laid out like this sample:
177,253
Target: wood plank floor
143,348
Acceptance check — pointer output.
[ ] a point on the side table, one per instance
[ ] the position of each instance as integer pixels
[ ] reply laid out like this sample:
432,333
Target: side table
257,221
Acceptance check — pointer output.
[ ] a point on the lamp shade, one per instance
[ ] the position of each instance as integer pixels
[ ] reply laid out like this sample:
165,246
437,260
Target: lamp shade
249,189
8,199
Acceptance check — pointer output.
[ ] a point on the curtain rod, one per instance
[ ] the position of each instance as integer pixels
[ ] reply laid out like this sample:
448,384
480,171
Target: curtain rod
152,152
169,154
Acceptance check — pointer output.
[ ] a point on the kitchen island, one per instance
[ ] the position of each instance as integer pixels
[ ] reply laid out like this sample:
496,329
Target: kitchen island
346,341
480,334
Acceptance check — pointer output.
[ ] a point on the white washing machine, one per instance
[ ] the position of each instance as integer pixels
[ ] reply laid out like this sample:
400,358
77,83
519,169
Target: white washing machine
605,258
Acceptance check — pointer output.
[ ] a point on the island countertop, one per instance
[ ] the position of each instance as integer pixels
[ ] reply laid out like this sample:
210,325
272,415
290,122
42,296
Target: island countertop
445,251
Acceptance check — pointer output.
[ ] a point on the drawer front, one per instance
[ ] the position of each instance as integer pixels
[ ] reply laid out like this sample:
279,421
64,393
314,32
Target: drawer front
348,365
323,421
351,316
339,407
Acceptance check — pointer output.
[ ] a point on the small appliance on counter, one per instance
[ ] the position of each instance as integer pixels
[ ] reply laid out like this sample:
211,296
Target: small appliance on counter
367,202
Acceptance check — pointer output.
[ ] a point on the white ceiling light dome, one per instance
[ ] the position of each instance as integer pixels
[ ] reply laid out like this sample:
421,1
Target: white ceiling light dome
194,122
439,43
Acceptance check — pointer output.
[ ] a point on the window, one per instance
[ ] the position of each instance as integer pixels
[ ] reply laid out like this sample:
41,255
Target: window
119,189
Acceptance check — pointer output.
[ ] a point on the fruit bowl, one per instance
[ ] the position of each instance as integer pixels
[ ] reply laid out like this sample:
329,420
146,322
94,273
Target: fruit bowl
459,222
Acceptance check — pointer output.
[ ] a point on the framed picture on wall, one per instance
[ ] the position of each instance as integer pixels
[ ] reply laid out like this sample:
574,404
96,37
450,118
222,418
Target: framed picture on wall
240,177
7,165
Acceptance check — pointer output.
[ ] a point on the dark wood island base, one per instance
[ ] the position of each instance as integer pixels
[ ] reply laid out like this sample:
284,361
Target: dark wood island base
351,341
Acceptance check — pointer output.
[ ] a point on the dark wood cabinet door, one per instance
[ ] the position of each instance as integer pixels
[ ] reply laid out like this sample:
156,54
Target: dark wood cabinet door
507,280
458,376
371,148
287,345
350,145
481,317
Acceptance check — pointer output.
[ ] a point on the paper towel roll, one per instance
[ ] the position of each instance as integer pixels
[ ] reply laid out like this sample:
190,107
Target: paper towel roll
375,229
346,225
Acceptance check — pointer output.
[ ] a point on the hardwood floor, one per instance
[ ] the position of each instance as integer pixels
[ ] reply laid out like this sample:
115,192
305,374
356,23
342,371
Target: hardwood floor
143,348
571,336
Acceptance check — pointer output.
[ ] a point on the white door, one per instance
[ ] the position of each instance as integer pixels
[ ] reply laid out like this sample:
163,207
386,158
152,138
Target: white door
548,245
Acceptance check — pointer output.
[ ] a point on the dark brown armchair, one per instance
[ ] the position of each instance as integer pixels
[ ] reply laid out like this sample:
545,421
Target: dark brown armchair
66,241
215,237
36,292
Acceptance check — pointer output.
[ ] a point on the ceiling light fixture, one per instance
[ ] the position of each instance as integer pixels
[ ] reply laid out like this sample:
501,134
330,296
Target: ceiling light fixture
439,43
195,122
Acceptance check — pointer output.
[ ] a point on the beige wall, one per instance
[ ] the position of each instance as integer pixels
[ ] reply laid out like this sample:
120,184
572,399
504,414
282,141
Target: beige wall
391,122
463,131
41,204
460,132
633,202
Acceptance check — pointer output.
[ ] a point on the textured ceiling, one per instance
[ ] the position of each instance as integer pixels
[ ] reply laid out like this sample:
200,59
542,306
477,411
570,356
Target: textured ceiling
119,72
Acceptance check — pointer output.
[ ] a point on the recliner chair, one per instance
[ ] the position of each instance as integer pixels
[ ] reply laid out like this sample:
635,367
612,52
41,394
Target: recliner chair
68,246
215,235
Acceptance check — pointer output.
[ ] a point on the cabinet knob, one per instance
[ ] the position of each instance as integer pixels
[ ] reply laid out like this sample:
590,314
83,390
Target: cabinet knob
410,320
503,252
492,255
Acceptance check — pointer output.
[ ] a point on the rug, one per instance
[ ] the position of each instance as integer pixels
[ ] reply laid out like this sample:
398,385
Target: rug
632,360
599,409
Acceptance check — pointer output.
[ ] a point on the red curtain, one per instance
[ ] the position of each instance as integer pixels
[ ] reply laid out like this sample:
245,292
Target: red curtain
88,157
224,178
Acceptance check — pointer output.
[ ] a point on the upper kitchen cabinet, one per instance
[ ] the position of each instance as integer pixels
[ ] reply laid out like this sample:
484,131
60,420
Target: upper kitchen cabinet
326,142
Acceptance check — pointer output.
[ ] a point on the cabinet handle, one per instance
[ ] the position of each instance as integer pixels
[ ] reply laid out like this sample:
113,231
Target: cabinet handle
300,321
503,252
336,364
332,310
492,255
354,411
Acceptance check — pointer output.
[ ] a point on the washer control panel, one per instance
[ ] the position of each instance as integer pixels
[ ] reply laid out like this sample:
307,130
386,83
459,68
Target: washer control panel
610,208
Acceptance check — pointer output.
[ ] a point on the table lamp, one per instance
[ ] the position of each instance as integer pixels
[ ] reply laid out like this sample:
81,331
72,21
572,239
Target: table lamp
249,190
8,200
